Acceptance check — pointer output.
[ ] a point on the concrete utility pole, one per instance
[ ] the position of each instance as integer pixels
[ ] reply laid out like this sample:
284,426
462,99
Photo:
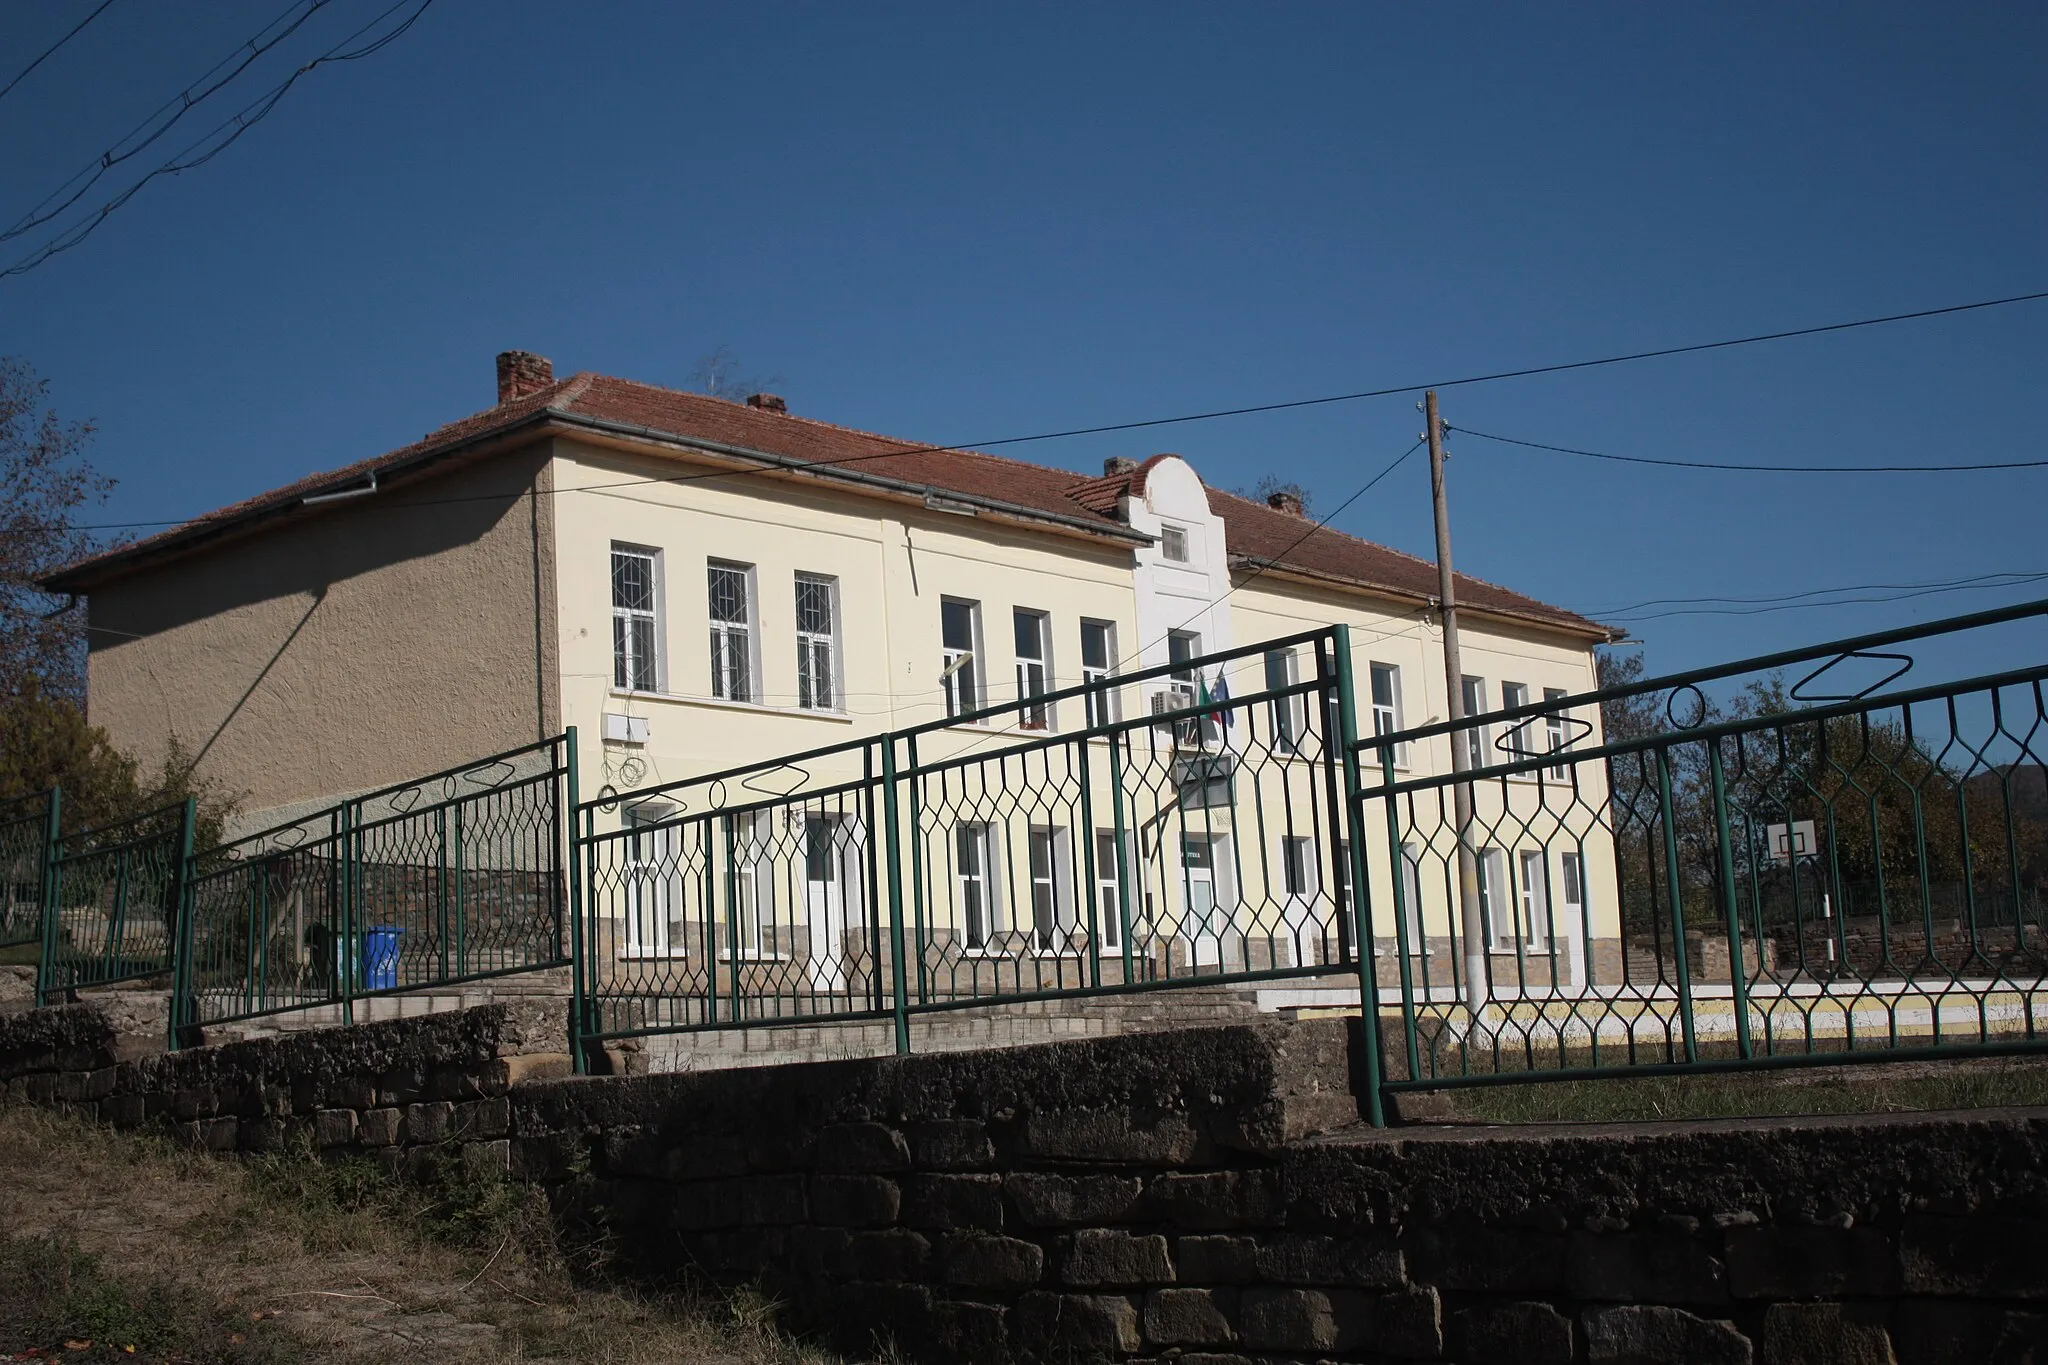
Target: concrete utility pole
1471,920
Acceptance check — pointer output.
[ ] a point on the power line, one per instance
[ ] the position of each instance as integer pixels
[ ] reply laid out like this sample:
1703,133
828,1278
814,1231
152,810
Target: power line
183,103
1764,468
1813,592
51,51
968,447
250,115
1965,585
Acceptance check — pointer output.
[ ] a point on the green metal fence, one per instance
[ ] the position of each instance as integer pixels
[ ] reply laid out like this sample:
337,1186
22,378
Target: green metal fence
454,877
111,912
1179,826
28,825
1647,878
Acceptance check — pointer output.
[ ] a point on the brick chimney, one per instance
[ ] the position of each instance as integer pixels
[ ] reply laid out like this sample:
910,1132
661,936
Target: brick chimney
521,373
1286,500
1118,464
767,402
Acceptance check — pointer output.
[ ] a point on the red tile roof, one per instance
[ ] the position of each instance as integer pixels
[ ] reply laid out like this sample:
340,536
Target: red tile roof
1255,532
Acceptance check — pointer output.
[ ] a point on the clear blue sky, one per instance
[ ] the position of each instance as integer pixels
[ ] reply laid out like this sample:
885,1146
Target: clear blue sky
958,223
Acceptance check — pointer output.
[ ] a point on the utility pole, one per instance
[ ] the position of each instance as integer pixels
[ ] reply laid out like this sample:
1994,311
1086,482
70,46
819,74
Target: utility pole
1470,917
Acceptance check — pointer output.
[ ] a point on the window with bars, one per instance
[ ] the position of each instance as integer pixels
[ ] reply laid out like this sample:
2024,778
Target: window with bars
635,591
1034,667
817,642
1386,706
960,672
1557,726
1098,663
732,631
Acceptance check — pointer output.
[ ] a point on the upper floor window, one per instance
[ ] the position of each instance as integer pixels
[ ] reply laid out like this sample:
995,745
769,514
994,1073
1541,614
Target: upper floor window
635,585
1034,667
1173,544
1184,688
817,642
1386,707
732,631
1512,695
1556,723
1287,711
959,674
1098,662
1474,737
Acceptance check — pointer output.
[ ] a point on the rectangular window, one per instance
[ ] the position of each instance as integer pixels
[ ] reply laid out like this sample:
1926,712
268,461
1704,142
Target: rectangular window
973,870
753,908
1287,711
635,581
650,868
1108,887
1386,707
1048,909
1183,647
1494,910
1098,663
1298,865
1512,695
1411,897
817,642
1535,900
1034,668
732,631
1173,544
1556,724
1474,736
959,672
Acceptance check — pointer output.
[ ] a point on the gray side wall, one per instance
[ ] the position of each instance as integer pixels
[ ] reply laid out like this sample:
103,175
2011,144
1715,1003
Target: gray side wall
387,636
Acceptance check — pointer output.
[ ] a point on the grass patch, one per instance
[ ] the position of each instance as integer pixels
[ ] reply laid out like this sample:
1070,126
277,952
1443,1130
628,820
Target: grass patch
1877,1088
58,1300
346,1262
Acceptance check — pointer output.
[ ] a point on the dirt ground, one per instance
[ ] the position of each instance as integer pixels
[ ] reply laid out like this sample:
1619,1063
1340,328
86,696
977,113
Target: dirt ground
282,1261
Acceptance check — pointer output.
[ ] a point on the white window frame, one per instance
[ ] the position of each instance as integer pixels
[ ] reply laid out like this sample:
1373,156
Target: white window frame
1184,689
1102,706
817,688
1034,673
1300,877
754,881
1055,885
1387,714
1473,689
1557,729
1519,736
1496,899
622,651
648,862
1533,897
1283,669
726,636
1109,891
1572,891
960,667
1173,538
980,836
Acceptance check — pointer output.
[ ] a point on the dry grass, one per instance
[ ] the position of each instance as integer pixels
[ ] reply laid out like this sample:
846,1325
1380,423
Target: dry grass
309,1261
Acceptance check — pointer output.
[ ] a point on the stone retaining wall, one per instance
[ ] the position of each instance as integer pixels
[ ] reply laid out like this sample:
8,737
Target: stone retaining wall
1203,1196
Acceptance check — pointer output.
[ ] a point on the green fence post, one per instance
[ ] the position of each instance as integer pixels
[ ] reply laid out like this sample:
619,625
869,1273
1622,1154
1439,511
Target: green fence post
1088,872
53,852
892,837
568,822
345,952
1354,825
1738,988
180,909
1681,969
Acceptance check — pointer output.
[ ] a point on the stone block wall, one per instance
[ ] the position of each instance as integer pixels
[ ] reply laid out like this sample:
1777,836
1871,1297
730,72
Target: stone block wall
1202,1196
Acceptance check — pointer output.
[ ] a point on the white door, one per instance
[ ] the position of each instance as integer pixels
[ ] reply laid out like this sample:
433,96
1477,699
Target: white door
827,844
1203,920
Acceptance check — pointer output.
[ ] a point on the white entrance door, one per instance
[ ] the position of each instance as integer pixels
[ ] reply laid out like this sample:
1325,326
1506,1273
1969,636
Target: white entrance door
1203,920
828,844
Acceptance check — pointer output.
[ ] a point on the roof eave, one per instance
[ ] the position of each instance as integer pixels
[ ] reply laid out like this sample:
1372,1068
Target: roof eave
1578,627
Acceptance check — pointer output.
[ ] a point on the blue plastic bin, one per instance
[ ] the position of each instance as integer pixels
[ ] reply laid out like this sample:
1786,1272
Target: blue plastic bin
380,957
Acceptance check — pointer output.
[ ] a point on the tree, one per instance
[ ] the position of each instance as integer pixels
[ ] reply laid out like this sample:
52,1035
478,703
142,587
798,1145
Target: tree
44,481
1269,484
718,374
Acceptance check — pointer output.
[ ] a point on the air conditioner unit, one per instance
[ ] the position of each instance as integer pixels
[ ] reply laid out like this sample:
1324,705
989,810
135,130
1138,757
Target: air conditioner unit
620,729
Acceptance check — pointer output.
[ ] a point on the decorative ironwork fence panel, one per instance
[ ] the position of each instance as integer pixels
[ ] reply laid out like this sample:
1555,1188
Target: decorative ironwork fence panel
1818,871
114,893
454,877
28,826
